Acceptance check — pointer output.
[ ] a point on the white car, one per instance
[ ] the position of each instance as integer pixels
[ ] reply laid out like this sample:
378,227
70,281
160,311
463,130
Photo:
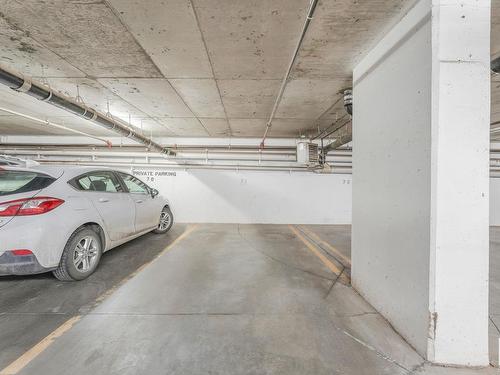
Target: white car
63,218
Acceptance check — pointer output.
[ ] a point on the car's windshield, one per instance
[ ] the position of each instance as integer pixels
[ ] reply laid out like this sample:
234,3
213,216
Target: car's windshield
15,182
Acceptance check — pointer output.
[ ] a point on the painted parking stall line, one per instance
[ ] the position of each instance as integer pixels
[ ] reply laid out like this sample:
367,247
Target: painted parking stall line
345,260
17,365
317,251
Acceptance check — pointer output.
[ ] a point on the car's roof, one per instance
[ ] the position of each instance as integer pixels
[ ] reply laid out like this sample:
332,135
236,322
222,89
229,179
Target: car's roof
58,170
68,170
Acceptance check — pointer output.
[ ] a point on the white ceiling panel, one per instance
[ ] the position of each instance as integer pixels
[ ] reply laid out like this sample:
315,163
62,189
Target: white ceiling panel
216,127
156,97
495,26
149,126
341,33
87,34
184,126
249,98
201,95
168,32
98,96
305,98
289,127
21,52
248,127
249,39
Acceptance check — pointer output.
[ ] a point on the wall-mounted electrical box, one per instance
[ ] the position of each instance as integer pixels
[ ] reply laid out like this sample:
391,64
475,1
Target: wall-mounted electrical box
307,153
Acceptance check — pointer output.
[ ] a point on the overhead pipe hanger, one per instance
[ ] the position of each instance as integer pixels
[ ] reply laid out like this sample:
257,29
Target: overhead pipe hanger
20,83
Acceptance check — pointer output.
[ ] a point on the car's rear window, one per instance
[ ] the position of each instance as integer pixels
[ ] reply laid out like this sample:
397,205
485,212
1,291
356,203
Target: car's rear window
15,182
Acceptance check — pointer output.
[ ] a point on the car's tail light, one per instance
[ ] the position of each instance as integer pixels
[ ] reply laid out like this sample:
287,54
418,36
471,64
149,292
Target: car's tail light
29,206
21,252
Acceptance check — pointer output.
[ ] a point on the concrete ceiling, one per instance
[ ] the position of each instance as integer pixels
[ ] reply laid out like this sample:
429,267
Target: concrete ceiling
193,67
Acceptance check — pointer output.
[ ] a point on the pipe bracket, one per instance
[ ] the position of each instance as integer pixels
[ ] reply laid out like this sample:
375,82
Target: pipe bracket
26,86
48,97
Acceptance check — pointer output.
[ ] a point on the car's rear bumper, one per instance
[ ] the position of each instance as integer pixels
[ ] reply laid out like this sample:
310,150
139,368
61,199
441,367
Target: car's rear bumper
44,236
20,264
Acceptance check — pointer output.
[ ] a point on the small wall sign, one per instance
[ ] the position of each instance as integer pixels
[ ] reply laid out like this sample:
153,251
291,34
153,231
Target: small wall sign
152,175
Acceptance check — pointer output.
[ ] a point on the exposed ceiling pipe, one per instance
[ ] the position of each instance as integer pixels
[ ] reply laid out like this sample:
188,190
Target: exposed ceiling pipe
244,151
309,17
258,168
333,127
165,163
208,158
342,134
50,123
18,82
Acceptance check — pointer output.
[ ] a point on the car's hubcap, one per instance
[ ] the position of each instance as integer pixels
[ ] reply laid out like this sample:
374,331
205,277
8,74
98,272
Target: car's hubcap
164,220
85,254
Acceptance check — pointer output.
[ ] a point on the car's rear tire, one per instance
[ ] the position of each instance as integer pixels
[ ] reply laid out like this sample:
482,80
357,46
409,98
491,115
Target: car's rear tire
166,221
80,257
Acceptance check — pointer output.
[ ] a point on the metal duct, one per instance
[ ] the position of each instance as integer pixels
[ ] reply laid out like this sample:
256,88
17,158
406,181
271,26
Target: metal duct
18,82
342,137
343,134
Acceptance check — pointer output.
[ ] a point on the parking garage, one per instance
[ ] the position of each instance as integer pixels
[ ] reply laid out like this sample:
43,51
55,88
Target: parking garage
249,187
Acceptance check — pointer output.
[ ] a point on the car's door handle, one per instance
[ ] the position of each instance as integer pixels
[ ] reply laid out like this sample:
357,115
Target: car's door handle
139,201
103,200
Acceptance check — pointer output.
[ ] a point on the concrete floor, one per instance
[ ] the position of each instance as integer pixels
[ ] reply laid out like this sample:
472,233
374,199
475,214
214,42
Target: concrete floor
224,299
31,307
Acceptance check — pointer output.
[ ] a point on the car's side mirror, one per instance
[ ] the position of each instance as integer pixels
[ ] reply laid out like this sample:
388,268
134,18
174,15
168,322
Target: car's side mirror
154,192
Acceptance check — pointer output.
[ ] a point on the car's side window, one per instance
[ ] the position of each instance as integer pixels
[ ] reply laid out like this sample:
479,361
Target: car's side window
133,184
84,183
99,181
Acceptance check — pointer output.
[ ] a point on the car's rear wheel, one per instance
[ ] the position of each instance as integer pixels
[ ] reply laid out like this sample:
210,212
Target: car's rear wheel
166,221
81,255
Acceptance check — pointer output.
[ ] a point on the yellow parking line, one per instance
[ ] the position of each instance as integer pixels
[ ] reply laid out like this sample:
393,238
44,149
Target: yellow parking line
318,239
106,294
35,351
39,348
332,267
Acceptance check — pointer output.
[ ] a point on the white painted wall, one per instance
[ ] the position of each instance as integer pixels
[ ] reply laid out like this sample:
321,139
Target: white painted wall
330,205
219,196
460,182
495,201
391,179
420,183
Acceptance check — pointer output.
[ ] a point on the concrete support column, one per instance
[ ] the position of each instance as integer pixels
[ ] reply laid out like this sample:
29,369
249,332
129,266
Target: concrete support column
421,179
